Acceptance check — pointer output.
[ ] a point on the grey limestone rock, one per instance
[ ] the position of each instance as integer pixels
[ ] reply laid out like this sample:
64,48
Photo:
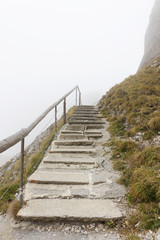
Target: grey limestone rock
152,37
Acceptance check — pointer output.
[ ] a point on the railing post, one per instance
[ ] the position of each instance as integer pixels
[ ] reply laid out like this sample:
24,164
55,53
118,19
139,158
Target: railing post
64,111
79,98
76,96
21,172
55,124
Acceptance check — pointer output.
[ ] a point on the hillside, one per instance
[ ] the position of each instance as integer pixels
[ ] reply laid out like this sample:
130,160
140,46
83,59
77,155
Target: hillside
133,106
133,110
152,36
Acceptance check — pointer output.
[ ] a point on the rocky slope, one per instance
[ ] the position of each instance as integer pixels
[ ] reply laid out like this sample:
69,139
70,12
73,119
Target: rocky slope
152,38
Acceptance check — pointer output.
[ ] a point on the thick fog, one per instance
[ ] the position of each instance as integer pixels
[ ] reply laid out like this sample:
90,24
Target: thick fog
48,47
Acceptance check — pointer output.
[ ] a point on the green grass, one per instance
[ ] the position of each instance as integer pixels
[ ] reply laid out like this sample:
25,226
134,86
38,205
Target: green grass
134,102
147,215
133,237
132,107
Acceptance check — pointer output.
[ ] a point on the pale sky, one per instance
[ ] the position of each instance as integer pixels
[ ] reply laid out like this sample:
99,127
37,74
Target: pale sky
48,47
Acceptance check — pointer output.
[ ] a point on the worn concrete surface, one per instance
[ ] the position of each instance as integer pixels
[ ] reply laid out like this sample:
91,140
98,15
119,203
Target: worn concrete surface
73,143
72,150
69,160
75,181
71,210
61,177
72,137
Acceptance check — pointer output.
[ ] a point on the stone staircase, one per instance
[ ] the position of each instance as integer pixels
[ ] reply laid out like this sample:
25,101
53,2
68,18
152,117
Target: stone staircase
75,181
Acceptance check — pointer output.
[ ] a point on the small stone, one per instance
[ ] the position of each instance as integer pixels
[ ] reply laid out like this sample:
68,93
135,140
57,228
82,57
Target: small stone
91,226
67,229
96,230
137,224
100,226
85,233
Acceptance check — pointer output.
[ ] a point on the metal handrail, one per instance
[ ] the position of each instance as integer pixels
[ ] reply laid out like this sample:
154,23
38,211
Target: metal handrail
18,136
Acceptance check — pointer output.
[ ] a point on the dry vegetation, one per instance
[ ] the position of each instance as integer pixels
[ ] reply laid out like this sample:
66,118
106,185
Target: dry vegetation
31,163
133,110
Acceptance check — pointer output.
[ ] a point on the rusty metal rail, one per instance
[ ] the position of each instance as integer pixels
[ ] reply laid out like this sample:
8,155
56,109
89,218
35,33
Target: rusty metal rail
20,136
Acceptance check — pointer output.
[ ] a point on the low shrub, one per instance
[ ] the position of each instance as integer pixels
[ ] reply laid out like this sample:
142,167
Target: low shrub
149,157
117,127
154,124
147,217
145,184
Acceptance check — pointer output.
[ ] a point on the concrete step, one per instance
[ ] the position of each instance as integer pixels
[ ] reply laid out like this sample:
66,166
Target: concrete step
87,133
86,122
73,142
85,118
62,177
94,126
73,150
72,137
86,112
68,147
92,132
63,191
69,166
87,106
76,127
87,115
70,210
71,132
69,160
52,191
86,109
94,136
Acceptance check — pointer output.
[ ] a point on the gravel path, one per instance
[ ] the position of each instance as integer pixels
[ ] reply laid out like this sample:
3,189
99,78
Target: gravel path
11,230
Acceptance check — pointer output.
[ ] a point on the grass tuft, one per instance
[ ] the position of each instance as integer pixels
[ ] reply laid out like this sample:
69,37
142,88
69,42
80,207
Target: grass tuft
15,206
133,237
